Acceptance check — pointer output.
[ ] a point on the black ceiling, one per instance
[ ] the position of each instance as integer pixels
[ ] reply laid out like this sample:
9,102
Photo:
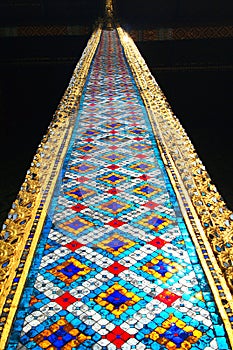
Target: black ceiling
133,13
152,13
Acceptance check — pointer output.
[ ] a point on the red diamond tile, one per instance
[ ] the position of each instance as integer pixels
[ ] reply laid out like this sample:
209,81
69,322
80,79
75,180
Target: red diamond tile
158,242
88,139
82,179
65,300
144,177
118,336
78,207
141,156
150,204
113,147
138,138
167,297
73,245
113,191
113,167
113,132
115,223
116,268
85,157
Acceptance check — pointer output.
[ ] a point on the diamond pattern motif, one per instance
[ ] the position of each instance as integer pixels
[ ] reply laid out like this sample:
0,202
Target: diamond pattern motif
112,178
161,268
113,157
154,222
116,244
146,190
117,299
80,193
75,225
175,334
70,270
60,335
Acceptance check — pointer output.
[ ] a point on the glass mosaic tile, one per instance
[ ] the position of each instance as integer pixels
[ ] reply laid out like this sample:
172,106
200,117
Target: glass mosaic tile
115,267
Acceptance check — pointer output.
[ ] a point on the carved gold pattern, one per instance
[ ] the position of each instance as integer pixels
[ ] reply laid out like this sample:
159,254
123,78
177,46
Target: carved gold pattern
29,209
182,33
212,221
154,34
109,14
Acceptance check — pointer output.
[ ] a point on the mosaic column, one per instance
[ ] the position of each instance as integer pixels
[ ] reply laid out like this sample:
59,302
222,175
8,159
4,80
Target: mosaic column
109,244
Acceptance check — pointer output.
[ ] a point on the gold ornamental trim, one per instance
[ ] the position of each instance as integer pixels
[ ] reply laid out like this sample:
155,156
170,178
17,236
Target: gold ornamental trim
208,220
109,15
21,230
153,34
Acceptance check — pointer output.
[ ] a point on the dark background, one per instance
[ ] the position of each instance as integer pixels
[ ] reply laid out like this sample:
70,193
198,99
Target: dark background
196,76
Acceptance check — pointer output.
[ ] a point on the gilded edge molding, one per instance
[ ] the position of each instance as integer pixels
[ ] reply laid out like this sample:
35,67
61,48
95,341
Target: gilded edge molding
22,228
208,219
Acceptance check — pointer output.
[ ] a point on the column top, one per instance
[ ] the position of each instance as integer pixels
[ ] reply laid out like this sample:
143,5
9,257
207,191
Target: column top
109,14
